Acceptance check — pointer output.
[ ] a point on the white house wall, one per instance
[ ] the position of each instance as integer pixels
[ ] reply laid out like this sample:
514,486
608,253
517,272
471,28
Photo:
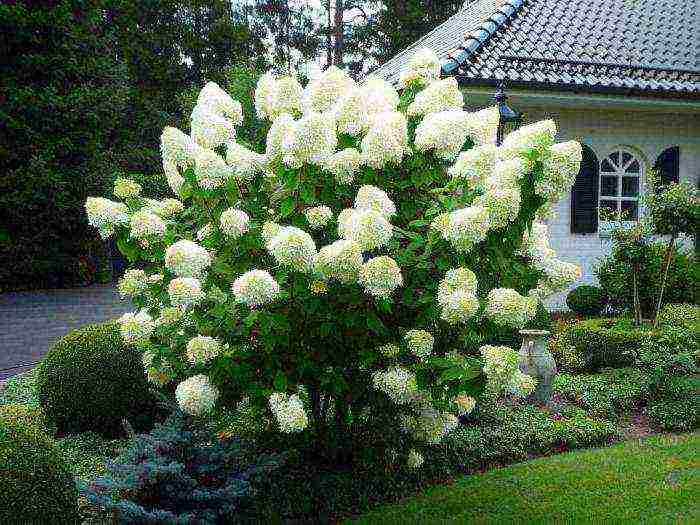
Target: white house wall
648,132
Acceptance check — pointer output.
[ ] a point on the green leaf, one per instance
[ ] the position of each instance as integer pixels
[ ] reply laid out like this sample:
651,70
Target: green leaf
280,382
374,323
308,193
287,206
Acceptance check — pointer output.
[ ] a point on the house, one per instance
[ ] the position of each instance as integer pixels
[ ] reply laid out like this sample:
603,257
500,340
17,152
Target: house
620,76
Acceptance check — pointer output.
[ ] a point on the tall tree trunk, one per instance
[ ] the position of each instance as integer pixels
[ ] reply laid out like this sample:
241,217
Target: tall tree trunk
635,297
329,37
339,46
667,263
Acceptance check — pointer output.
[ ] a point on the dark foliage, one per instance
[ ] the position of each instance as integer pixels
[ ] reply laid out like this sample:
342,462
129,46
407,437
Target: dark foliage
615,276
178,474
586,300
90,380
36,485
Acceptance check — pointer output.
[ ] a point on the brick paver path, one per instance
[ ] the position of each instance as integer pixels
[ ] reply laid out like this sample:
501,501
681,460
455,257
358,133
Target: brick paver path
31,321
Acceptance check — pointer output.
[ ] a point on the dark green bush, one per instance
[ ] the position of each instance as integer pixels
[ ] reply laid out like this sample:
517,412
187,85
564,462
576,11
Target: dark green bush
36,485
606,394
607,342
90,380
615,278
671,352
681,315
675,415
586,300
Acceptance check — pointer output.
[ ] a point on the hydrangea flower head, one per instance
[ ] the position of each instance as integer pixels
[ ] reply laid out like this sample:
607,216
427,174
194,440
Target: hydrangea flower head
145,223
196,395
340,260
185,291
506,307
289,412
201,349
424,66
126,188
322,92
419,342
255,288
187,259
386,141
398,383
234,222
318,216
136,327
369,228
344,164
380,276
440,95
294,248
133,283
105,214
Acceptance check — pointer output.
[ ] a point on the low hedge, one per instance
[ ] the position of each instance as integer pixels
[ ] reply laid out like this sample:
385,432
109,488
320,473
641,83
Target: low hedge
586,300
28,415
90,380
675,415
36,485
681,315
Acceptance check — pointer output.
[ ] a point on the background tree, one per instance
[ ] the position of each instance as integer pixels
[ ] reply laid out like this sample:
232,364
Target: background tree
64,95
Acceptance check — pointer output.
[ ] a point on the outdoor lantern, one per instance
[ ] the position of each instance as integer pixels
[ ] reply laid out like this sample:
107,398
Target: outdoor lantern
508,118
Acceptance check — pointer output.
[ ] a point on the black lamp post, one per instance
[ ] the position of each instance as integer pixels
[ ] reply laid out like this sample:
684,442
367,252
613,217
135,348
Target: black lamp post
508,118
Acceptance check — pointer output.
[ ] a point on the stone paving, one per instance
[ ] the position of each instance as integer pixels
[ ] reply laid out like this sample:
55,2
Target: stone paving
31,321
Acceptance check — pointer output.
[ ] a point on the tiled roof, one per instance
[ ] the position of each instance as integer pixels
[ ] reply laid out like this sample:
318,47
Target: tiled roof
643,46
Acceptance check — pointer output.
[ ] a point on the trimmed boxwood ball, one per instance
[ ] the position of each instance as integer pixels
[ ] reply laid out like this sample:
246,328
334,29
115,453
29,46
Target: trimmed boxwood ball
91,380
586,300
36,485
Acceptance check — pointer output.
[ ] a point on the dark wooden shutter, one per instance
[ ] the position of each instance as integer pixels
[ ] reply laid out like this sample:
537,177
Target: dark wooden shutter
584,195
667,165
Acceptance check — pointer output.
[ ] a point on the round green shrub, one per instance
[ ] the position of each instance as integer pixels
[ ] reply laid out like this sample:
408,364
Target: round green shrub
28,415
90,380
681,315
36,485
675,415
586,300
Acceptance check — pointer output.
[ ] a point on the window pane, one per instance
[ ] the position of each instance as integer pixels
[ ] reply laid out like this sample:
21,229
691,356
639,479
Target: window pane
608,210
608,186
630,210
633,168
630,186
626,157
607,166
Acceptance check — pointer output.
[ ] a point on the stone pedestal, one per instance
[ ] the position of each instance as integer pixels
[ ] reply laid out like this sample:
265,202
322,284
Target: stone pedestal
536,361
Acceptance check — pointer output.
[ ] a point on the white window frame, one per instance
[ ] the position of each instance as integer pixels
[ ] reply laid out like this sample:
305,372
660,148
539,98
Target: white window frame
604,226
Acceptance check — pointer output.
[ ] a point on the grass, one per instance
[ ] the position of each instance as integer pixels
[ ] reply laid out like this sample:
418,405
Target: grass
654,480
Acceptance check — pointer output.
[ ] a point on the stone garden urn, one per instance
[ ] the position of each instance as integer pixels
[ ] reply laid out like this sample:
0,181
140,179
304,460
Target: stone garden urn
536,360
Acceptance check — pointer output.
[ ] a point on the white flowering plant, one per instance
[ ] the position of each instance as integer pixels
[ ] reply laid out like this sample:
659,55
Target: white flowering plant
354,270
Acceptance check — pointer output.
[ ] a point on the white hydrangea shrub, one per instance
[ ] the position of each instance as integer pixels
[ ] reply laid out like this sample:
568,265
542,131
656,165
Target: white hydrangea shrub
368,238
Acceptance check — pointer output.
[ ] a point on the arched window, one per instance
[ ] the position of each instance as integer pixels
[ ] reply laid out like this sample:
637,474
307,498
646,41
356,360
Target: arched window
621,175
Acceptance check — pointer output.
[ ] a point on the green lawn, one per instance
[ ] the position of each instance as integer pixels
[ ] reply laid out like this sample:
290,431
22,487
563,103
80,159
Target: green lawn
656,480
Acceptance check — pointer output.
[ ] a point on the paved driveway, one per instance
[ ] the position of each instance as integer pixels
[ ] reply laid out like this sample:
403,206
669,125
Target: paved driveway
31,321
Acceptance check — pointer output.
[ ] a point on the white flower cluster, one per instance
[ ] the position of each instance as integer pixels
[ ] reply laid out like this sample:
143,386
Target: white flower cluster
277,95
343,164
255,288
177,151
160,374
133,283
196,395
340,260
378,95
145,224
165,208
201,349
289,412
465,227
245,163
424,66
380,276
440,95
215,117
444,132
431,426
105,214
475,165
560,165
506,307
558,274
457,296
482,125
187,259
281,133
537,137
210,169
502,373
350,112
136,327
502,203
369,228
414,460
234,222
372,198
312,139
185,291
318,216
204,232
397,383
419,342
390,350
169,316
126,188
294,248
386,142
322,92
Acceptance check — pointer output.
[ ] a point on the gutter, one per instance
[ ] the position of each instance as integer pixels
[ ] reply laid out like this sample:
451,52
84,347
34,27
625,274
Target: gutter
475,40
